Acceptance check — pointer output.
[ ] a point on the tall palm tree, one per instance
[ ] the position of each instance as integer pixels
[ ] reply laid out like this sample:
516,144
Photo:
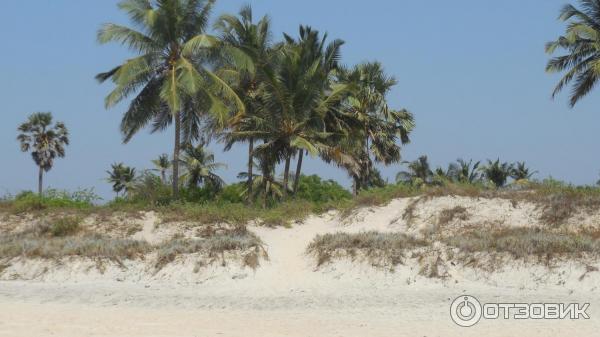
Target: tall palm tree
44,140
296,95
381,129
200,167
162,164
171,78
121,177
419,171
581,43
254,40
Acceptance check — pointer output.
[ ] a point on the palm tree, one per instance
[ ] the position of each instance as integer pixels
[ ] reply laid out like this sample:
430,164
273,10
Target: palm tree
46,141
200,165
582,45
380,128
497,172
162,164
171,78
520,171
419,171
296,95
121,177
465,172
253,39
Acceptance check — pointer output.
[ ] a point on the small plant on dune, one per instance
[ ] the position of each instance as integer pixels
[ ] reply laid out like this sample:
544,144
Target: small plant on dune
65,226
448,215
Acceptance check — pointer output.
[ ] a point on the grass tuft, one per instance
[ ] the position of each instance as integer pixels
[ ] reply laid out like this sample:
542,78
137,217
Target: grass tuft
385,249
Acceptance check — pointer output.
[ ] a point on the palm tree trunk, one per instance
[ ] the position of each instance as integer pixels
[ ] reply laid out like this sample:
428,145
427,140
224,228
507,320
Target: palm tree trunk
176,150
40,181
250,167
298,170
163,176
286,174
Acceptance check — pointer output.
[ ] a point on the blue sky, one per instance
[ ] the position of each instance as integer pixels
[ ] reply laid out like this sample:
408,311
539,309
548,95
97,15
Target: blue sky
472,72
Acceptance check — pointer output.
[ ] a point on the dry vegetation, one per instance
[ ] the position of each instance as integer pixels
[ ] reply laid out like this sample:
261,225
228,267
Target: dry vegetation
380,249
66,237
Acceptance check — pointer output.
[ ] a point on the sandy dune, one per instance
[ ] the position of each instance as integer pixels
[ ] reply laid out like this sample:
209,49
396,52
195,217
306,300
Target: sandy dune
288,295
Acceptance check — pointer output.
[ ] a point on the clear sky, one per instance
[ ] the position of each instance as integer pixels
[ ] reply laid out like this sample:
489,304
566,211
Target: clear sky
472,72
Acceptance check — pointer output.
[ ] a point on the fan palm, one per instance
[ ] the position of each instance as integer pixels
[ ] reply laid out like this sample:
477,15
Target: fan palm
380,128
44,140
162,164
200,168
581,62
171,77
121,177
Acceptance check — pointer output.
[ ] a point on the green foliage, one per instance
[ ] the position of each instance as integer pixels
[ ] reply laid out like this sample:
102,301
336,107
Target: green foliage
52,199
121,177
581,52
232,193
313,188
65,226
497,172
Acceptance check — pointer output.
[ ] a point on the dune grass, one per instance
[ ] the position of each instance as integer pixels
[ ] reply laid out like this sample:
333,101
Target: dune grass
524,242
386,249
65,238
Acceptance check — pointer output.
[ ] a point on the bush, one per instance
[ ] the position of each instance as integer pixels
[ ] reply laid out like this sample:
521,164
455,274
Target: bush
65,226
313,188
52,199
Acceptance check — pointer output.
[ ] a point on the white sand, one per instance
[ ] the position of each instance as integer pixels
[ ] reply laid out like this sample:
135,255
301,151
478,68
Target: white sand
288,295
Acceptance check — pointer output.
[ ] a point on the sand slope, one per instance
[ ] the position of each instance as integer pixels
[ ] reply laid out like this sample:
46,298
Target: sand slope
288,295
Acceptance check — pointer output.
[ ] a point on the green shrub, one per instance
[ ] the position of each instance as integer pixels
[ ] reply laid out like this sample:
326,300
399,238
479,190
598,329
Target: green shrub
65,226
313,188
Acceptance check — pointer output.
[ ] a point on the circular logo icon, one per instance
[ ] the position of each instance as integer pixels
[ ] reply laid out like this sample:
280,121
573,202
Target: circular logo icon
465,311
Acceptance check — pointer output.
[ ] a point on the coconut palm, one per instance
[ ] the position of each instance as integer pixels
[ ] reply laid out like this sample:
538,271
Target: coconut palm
465,172
296,97
266,185
162,164
45,141
200,166
171,77
253,39
497,172
520,171
581,43
419,172
121,177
